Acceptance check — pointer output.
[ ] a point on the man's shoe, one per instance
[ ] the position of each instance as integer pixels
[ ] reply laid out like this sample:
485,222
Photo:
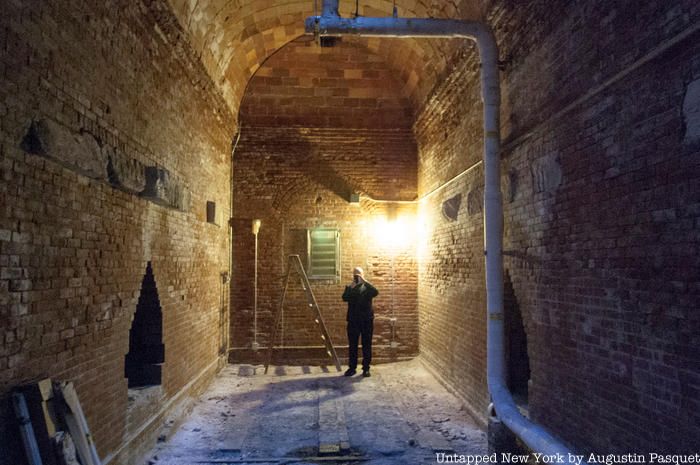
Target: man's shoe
365,373
350,372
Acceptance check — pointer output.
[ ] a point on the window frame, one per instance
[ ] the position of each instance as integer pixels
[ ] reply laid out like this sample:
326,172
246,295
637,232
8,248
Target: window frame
311,272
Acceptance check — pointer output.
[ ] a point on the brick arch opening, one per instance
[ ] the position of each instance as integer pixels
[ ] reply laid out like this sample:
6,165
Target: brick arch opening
319,125
235,39
144,361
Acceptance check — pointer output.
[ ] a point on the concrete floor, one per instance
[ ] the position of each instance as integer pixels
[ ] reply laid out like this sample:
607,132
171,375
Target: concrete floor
311,415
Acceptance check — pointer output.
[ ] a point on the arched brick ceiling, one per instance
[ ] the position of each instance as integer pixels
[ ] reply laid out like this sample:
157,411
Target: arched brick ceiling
234,37
347,85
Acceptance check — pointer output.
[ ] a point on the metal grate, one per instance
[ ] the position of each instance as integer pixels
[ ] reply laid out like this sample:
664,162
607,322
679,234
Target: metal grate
323,253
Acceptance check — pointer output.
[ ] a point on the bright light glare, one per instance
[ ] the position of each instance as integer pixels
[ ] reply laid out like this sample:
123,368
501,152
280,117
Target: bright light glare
395,234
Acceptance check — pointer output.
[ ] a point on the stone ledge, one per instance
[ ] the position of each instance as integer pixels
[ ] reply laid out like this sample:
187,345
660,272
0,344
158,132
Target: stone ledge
78,151
165,189
124,173
85,154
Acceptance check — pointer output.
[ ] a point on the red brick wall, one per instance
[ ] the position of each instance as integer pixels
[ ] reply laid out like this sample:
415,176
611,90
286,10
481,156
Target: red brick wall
601,198
451,291
318,125
346,85
601,223
73,250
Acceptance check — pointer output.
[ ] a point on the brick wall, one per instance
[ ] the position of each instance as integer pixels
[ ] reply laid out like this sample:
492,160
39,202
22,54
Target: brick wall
345,85
111,92
600,186
600,182
452,292
298,185
318,125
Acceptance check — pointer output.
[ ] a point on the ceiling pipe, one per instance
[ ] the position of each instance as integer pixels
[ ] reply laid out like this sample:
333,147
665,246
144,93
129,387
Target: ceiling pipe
331,24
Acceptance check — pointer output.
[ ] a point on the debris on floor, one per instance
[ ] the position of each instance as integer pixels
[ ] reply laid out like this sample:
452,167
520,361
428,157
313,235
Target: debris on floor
311,415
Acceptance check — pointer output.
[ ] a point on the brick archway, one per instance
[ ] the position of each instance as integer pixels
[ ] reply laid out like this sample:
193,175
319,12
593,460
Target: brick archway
236,37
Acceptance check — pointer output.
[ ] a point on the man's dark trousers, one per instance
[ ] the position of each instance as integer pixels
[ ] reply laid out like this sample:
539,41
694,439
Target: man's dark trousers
357,329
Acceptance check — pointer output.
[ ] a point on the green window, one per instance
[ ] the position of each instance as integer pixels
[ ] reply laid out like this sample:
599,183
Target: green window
323,253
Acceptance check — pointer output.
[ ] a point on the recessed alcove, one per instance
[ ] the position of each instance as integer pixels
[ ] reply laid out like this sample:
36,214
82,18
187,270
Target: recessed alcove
517,359
144,361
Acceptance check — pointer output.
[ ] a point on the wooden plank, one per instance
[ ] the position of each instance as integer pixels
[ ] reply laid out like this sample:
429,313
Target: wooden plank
342,427
332,430
328,438
329,449
78,427
38,397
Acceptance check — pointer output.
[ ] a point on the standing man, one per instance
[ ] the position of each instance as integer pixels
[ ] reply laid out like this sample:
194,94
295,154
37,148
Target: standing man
359,295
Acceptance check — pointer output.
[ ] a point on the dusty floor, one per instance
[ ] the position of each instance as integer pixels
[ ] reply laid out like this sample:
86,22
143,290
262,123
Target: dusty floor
311,415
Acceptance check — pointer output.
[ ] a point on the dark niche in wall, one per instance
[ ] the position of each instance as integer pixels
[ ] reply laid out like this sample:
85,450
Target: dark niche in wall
517,360
475,200
450,207
211,212
143,363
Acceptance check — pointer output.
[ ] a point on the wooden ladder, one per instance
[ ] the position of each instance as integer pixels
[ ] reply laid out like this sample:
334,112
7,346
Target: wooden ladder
295,262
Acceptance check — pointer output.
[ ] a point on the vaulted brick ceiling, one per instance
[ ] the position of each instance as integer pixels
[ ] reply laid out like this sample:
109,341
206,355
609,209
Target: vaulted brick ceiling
234,37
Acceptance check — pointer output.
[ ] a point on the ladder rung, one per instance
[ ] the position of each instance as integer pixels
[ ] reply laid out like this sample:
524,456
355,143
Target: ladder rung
306,286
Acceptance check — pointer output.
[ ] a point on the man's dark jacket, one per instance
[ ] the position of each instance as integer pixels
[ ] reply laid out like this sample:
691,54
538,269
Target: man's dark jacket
359,299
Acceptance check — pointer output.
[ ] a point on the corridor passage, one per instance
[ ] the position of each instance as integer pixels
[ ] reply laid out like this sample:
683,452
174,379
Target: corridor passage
307,415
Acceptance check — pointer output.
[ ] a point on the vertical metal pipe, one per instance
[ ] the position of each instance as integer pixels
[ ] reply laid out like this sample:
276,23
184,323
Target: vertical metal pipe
229,224
256,230
536,437
255,298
